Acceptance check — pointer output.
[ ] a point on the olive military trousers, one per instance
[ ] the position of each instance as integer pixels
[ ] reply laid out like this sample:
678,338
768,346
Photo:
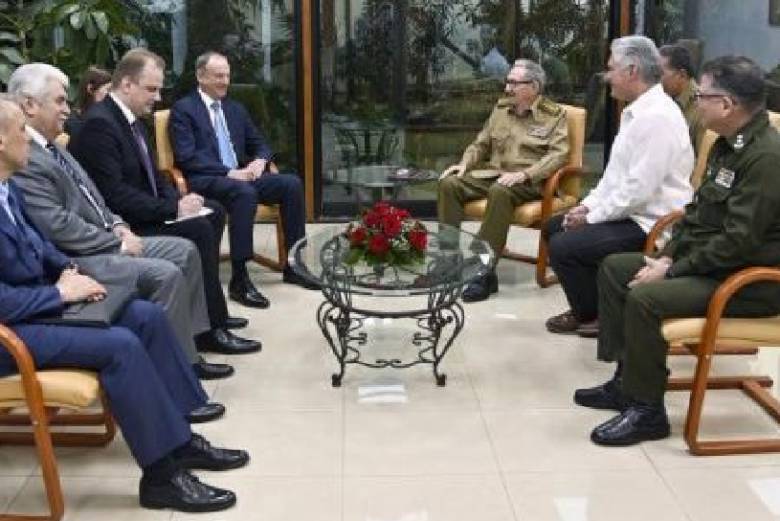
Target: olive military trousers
455,192
630,319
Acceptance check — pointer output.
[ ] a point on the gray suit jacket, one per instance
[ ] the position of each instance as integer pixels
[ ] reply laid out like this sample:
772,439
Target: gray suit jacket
61,211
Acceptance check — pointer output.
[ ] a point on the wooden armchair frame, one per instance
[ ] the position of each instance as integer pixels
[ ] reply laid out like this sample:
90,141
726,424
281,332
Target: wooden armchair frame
753,385
40,417
265,213
567,180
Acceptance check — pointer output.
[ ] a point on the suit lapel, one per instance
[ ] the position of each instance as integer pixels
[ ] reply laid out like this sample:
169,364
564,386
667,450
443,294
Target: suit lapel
204,117
120,118
8,227
232,121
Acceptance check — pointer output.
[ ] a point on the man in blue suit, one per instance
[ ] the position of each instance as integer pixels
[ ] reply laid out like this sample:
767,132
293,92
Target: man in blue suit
225,157
150,387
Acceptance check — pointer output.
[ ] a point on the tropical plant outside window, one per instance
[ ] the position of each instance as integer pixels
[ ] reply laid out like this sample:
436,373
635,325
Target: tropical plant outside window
411,82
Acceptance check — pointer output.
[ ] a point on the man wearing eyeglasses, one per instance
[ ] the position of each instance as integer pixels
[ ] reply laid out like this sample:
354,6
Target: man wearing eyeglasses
732,223
524,141
647,176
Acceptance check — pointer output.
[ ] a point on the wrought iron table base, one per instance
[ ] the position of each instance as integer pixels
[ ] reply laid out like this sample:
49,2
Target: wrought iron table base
341,327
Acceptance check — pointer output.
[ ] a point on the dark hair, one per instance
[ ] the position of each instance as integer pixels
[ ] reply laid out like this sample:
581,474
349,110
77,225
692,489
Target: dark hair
91,80
741,77
679,58
132,63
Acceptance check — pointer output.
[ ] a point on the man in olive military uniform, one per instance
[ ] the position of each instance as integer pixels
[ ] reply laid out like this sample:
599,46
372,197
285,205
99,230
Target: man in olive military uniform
524,141
678,81
733,223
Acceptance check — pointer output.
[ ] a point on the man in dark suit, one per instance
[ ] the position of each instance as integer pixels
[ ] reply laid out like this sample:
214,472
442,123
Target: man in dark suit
224,156
150,387
114,149
66,206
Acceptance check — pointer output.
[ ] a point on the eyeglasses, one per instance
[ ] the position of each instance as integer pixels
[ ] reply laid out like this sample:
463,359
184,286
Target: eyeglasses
514,83
698,96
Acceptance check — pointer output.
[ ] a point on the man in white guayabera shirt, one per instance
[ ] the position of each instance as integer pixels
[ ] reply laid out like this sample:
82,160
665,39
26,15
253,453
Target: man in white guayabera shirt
648,176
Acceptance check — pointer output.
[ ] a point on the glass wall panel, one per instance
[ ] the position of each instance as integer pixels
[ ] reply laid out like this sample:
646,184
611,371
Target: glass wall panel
258,37
409,83
714,28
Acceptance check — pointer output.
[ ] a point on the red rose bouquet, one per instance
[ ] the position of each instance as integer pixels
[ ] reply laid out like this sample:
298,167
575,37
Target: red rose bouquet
388,235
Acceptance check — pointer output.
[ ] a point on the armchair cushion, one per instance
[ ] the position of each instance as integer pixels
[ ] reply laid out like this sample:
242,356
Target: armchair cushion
527,215
68,388
748,332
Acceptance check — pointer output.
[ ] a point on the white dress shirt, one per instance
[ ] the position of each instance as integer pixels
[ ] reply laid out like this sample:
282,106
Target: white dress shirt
649,169
124,108
209,101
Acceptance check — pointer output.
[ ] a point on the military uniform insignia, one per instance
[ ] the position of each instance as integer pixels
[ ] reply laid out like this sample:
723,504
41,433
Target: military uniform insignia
538,131
549,107
739,142
724,178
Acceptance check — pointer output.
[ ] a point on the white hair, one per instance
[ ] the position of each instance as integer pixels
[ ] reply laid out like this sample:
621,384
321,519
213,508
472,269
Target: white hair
32,80
533,72
640,51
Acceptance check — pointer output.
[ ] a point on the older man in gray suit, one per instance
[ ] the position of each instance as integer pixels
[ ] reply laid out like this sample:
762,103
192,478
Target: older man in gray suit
65,204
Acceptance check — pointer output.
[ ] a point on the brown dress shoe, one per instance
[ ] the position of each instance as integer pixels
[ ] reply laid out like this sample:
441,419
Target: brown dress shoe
564,324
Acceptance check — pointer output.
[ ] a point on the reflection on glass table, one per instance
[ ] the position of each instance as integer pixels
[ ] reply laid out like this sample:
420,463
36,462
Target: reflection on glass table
426,292
382,182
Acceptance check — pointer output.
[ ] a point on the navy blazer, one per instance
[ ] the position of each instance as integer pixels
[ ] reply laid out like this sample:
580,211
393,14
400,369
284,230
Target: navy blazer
194,141
107,149
26,280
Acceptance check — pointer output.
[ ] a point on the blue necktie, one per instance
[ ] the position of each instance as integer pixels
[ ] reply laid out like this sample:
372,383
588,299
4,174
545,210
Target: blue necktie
4,201
226,153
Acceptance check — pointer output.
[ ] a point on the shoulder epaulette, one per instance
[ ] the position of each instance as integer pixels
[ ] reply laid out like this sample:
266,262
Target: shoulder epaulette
550,107
505,102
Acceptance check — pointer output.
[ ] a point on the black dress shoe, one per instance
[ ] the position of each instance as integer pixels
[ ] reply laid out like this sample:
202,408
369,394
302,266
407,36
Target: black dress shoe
236,323
208,371
639,422
290,277
200,454
223,341
206,413
604,396
244,292
184,492
481,288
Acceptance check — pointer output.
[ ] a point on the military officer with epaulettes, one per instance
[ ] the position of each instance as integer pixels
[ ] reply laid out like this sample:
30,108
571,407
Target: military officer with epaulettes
524,141
732,223
678,81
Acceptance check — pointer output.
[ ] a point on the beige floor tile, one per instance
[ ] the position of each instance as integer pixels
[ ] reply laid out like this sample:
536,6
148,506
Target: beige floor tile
17,460
727,414
439,498
420,388
91,499
394,441
593,496
273,392
305,443
275,499
727,494
113,460
9,488
556,441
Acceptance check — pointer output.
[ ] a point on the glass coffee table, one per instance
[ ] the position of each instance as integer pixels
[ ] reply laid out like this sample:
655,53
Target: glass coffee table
426,293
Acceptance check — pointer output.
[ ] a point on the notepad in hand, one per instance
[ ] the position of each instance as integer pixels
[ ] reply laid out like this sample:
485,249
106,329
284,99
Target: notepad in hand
202,213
